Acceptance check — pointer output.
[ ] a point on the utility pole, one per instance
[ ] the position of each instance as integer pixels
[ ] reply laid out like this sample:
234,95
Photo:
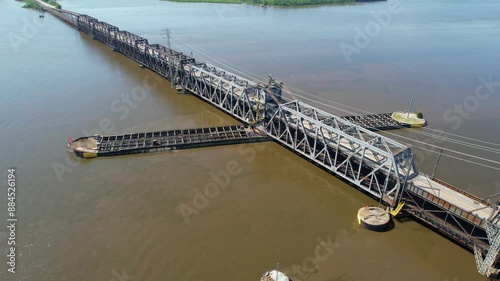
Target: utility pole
170,59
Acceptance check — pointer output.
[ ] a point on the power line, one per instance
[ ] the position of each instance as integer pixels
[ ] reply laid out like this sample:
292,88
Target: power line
487,142
235,68
461,159
447,149
460,142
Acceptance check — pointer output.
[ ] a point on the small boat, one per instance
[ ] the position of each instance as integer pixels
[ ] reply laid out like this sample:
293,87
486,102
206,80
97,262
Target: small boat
274,275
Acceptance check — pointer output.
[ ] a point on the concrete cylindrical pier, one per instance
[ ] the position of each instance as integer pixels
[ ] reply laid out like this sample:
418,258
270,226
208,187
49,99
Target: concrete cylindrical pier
373,218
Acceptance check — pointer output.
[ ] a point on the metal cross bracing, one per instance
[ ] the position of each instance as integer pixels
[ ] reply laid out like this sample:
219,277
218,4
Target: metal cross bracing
125,42
104,32
237,96
375,164
157,58
86,24
131,46
485,266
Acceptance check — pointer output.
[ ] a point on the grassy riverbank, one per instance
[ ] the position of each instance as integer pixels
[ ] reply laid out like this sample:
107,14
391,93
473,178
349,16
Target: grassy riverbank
209,1
272,2
31,4
53,3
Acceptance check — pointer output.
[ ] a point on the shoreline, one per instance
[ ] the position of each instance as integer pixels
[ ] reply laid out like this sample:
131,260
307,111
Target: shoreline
279,3
39,5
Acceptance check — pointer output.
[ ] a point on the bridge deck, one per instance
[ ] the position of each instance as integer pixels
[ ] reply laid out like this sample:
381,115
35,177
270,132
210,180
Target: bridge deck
96,146
455,198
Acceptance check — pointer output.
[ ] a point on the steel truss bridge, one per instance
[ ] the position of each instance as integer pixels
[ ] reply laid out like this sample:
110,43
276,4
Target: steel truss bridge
377,165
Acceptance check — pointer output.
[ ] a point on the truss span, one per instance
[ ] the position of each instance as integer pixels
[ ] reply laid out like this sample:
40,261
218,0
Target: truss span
376,164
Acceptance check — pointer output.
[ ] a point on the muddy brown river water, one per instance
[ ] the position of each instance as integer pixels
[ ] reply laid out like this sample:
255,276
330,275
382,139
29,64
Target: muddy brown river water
120,218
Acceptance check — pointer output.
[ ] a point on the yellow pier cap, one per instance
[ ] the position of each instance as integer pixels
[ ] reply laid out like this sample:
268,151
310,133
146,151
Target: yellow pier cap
411,119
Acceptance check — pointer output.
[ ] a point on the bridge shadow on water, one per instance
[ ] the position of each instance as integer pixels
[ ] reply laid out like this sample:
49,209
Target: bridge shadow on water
405,217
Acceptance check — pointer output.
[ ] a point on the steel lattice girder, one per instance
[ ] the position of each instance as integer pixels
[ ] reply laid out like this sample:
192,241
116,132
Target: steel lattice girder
374,163
67,16
491,255
237,96
85,23
126,38
163,54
